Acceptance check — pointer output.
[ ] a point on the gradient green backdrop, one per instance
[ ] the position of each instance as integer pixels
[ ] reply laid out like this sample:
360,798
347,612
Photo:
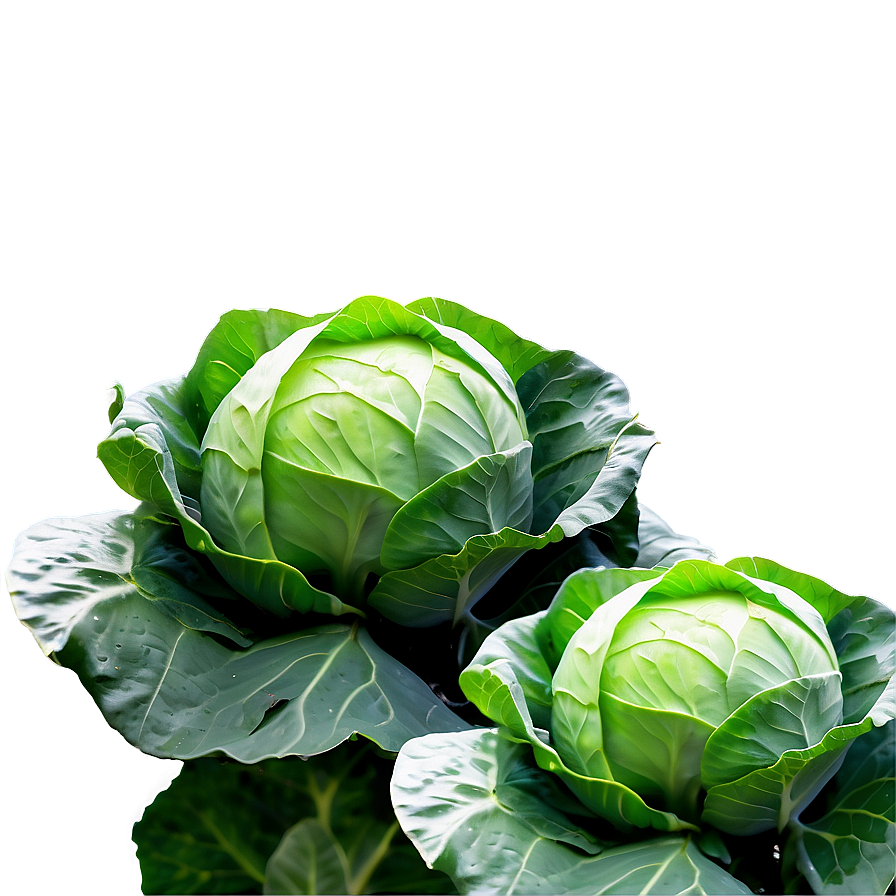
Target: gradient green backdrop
698,195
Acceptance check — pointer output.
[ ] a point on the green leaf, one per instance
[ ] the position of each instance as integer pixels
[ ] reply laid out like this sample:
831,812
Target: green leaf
65,570
319,522
161,674
179,694
661,546
509,679
151,447
849,849
152,454
309,859
444,588
465,799
116,401
795,715
577,599
611,488
862,630
669,865
214,827
770,797
653,751
492,493
827,600
515,355
449,791
572,406
370,857
232,495
230,350
222,827
619,536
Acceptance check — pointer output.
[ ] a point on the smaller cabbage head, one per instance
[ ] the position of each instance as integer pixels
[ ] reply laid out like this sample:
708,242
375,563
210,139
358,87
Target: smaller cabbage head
695,697
688,709
672,693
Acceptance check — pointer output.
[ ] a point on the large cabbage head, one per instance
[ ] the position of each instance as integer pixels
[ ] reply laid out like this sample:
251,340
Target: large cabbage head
401,458
346,459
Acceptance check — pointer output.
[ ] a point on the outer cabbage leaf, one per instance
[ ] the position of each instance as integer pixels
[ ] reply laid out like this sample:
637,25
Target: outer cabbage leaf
861,629
309,859
465,799
112,557
230,351
774,795
516,355
509,679
849,846
661,546
153,421
124,605
579,596
148,445
492,493
323,825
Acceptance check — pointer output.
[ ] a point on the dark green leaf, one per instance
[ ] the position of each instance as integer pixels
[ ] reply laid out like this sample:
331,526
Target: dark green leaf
222,827
850,848
66,570
660,546
163,676
572,406
444,588
308,860
214,828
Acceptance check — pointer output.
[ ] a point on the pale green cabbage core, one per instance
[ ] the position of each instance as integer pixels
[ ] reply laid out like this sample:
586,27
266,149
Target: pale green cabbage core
638,700
355,431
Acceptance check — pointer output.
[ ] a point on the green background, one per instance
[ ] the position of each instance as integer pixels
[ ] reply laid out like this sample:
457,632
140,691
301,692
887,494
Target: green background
697,198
